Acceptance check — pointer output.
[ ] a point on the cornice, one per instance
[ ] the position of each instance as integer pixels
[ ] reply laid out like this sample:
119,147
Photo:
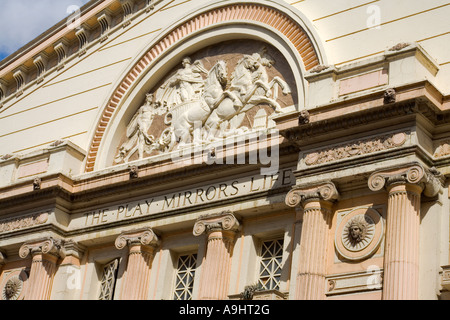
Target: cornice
85,188
302,132
61,32
424,100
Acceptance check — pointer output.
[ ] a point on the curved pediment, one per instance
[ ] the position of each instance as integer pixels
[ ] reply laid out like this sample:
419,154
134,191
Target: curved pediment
253,22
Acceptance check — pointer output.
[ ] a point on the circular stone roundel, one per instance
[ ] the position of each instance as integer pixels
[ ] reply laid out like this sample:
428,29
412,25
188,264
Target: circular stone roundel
13,286
359,234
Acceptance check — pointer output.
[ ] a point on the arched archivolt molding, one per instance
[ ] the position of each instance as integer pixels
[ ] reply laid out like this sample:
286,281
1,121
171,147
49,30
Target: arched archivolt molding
251,12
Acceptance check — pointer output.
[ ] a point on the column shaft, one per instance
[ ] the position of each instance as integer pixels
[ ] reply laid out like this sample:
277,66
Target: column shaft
313,248
138,272
43,268
217,268
401,261
141,244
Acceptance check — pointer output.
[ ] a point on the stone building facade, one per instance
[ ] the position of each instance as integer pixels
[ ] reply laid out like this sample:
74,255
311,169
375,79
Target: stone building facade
215,150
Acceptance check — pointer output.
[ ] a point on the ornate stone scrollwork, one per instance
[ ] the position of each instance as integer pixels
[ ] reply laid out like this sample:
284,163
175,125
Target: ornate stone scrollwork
45,246
142,236
23,222
224,221
356,148
325,191
413,174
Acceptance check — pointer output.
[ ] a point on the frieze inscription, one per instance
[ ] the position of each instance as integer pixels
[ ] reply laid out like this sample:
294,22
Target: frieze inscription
187,198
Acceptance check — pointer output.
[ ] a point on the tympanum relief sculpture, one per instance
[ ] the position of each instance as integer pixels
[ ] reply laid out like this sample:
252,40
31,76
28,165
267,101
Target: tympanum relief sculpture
207,99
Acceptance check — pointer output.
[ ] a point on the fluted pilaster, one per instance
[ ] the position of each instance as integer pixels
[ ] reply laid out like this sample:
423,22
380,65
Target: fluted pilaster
317,205
45,254
401,256
221,234
142,245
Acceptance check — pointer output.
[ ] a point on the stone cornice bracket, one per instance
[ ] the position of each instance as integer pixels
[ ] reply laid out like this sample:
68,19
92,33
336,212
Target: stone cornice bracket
104,19
3,89
82,35
61,48
223,221
429,180
326,191
43,246
20,75
127,6
144,237
150,5
41,62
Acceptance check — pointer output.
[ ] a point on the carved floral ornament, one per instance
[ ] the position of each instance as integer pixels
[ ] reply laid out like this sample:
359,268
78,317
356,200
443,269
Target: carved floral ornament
357,148
28,221
204,101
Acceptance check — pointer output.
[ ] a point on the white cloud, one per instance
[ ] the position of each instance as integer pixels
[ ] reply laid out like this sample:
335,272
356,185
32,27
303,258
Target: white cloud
23,20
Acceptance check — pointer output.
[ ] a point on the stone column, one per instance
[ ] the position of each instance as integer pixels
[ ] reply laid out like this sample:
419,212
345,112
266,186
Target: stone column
317,205
401,257
45,254
142,244
221,230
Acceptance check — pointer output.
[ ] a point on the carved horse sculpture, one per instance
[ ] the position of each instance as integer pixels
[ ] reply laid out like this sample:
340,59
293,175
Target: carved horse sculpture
250,84
187,119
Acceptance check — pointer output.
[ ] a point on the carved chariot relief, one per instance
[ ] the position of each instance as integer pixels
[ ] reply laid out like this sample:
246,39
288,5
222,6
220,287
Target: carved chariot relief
221,91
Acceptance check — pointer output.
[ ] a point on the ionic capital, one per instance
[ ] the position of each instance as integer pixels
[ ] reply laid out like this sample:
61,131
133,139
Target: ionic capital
326,191
144,237
415,174
42,246
223,221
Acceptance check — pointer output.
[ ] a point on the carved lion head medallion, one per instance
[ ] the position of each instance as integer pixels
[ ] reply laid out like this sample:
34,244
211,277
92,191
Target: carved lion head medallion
359,233
13,286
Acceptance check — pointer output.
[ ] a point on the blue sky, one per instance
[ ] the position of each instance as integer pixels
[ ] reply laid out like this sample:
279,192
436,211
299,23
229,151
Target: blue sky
23,20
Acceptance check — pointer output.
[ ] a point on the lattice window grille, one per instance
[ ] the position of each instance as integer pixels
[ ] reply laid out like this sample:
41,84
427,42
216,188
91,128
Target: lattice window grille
271,264
108,282
184,282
